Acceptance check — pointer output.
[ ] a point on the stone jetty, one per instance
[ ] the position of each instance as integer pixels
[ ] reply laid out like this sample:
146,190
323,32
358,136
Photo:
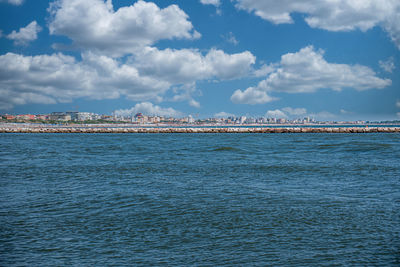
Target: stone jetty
161,130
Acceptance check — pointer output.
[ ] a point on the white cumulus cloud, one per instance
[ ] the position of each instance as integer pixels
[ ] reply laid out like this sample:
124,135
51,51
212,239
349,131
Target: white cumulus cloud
61,78
307,71
263,70
230,38
117,58
223,114
323,115
26,34
398,103
194,103
146,76
295,111
332,15
188,65
12,2
148,109
251,96
94,25
387,65
210,2
279,114
286,112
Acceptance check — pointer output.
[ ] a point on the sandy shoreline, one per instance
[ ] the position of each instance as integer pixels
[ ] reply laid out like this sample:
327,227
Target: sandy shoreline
25,129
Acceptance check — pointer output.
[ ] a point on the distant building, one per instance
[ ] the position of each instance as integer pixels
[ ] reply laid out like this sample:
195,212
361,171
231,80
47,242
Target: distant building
73,114
42,117
153,119
250,120
9,117
307,120
96,116
83,116
107,118
26,117
60,116
263,120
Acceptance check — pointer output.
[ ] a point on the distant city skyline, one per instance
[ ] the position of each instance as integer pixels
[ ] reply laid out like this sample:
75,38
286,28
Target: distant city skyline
143,118
331,61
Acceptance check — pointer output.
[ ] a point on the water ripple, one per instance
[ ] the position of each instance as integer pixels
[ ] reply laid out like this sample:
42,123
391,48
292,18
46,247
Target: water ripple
220,200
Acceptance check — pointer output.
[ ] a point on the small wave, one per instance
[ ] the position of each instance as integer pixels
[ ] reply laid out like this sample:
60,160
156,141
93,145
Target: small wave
226,148
355,147
328,146
368,147
288,169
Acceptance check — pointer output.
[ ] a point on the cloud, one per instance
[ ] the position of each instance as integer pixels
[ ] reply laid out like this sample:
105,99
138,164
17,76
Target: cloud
215,3
323,115
392,25
295,111
188,65
398,103
148,108
194,103
339,15
230,38
94,25
263,70
185,92
279,114
147,76
223,115
288,112
12,2
251,96
26,34
210,2
387,65
145,73
232,66
307,71
60,78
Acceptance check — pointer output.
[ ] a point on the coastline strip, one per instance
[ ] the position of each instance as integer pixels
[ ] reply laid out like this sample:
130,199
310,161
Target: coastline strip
200,130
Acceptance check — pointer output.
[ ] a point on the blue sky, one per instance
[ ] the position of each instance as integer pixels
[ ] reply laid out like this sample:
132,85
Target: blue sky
330,61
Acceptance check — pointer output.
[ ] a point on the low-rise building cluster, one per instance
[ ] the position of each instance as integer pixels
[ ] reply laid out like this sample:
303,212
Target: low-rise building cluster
140,118
57,116
260,120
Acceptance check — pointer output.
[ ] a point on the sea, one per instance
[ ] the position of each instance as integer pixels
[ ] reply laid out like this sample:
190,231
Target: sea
200,199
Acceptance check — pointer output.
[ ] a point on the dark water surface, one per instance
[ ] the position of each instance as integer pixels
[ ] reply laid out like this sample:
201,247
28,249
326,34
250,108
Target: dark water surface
199,199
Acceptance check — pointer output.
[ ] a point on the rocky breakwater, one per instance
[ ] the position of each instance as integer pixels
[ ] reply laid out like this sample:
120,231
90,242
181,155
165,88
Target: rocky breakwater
25,129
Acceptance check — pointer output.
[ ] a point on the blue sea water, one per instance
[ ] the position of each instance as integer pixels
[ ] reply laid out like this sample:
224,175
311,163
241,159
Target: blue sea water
199,199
